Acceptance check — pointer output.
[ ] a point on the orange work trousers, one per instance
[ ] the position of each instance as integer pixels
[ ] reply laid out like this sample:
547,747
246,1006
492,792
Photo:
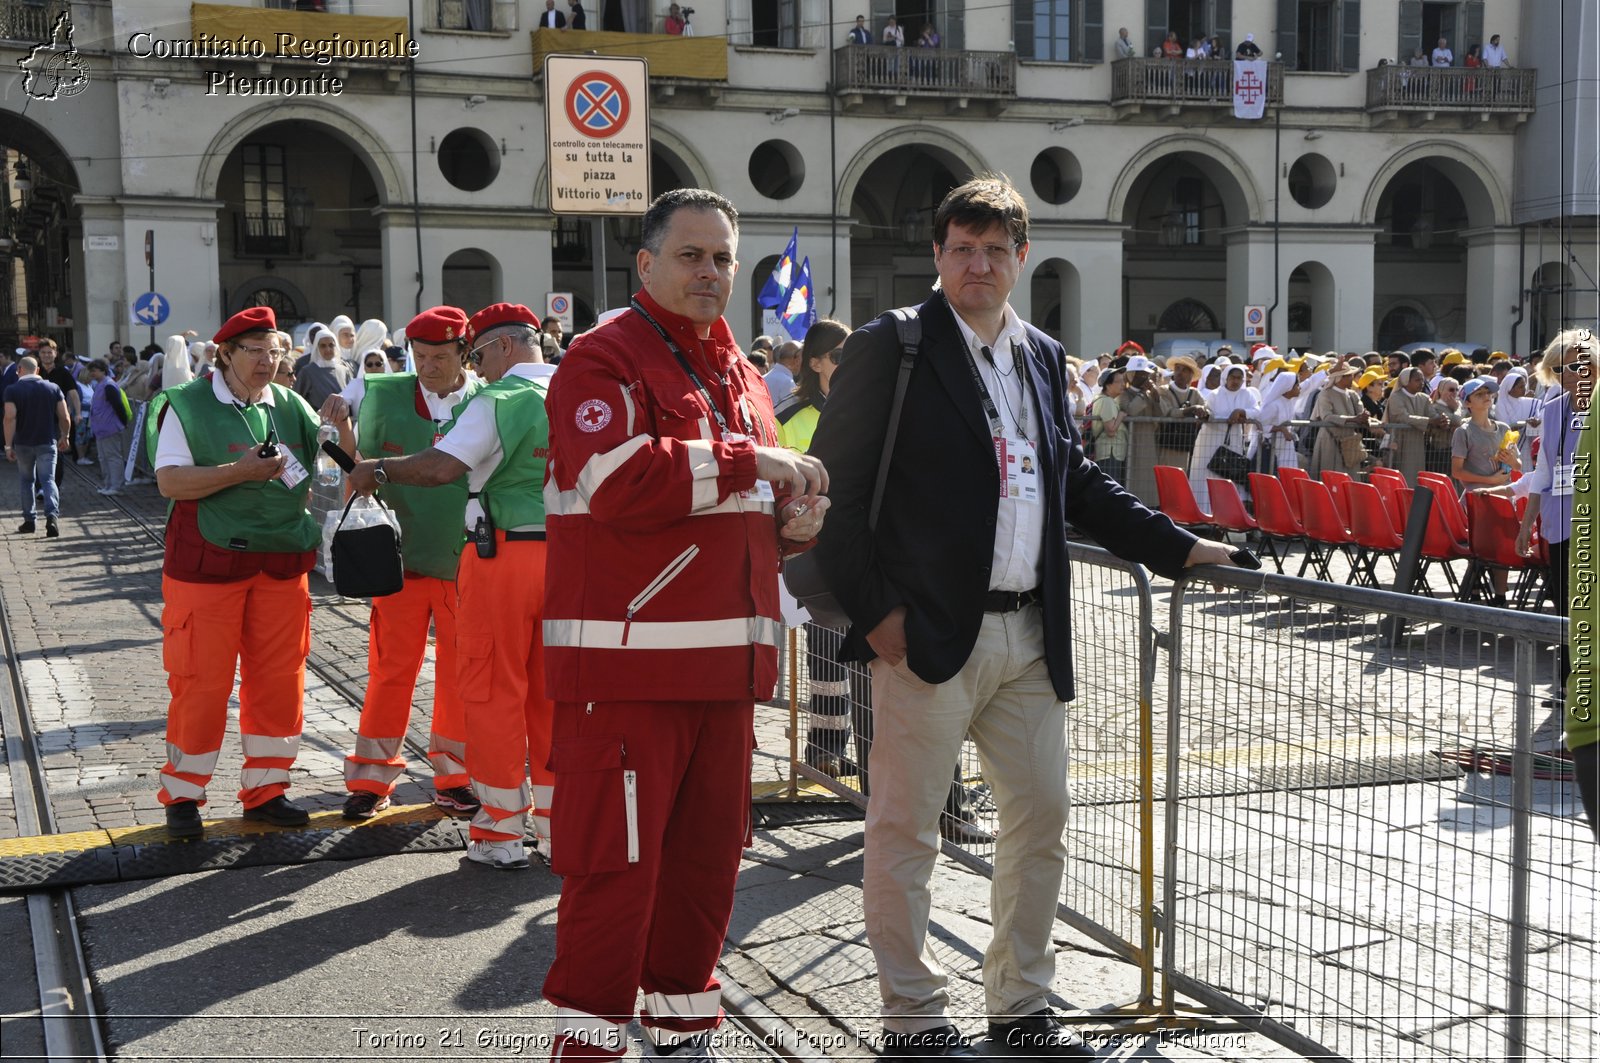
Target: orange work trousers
500,670
397,638
261,625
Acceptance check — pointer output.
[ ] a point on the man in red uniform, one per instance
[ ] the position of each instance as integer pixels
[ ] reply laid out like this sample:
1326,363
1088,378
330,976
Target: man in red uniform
499,442
232,453
661,628
406,413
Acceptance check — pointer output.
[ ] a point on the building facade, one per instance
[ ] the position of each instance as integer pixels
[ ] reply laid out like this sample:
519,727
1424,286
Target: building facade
1375,204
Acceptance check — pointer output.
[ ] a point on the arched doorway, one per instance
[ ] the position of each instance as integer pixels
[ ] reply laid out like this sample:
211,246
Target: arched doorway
891,242
1311,298
41,267
1423,215
298,204
1550,304
1056,295
1174,259
471,280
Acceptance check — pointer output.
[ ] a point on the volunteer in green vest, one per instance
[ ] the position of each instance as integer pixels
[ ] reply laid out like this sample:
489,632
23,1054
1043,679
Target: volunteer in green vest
499,441
233,453
401,414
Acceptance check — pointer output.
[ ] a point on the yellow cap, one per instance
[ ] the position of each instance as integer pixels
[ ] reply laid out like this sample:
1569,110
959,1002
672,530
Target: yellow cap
1367,379
1451,357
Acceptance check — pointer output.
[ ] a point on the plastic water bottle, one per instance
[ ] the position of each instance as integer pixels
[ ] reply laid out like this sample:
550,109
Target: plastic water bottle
328,471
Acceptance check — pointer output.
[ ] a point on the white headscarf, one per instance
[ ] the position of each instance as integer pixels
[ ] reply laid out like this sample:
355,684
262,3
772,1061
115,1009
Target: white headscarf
315,339
1276,407
175,367
336,326
197,357
356,390
371,334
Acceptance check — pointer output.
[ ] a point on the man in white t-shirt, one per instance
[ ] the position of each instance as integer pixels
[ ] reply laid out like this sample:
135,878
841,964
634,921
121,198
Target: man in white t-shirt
1442,55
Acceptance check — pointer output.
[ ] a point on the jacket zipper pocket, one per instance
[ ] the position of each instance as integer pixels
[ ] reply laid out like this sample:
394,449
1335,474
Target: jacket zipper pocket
630,804
674,568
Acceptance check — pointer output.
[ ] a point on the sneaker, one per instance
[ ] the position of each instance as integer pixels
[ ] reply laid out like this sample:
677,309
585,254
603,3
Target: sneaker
108,491
701,1048
26,528
363,804
943,1041
280,812
52,530
85,461
183,820
502,856
140,481
457,800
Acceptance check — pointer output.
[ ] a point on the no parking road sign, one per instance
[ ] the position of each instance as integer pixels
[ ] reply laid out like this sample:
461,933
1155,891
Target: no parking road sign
1255,323
598,123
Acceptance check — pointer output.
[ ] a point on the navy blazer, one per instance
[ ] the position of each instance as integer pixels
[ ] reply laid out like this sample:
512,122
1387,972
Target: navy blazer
934,543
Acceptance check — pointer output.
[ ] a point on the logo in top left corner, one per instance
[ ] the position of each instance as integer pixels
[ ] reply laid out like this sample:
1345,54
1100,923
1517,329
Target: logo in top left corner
55,70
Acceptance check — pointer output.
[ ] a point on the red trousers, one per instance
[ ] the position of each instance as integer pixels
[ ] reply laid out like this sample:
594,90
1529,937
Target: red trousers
261,625
652,813
500,675
397,639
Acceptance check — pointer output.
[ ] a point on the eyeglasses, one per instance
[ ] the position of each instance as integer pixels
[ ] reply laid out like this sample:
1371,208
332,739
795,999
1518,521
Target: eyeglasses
263,352
476,356
996,254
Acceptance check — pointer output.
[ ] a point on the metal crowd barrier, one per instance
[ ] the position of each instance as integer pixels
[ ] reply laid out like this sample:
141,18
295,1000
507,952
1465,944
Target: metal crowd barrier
1354,834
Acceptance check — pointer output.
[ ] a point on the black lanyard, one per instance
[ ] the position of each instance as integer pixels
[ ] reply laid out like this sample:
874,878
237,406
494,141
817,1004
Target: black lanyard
694,378
989,410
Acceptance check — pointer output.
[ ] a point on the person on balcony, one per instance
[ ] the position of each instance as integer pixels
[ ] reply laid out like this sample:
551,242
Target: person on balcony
1172,48
578,20
551,19
1248,48
1125,48
1442,55
893,35
1494,54
860,34
676,24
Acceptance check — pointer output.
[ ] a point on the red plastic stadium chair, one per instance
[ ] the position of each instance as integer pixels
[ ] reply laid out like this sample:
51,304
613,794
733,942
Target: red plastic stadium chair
1227,508
1492,525
1336,482
1326,533
1277,520
1289,476
1372,531
1177,500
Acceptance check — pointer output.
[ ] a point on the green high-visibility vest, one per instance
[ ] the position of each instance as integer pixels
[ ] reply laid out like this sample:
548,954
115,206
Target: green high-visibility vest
431,518
1583,587
262,515
514,494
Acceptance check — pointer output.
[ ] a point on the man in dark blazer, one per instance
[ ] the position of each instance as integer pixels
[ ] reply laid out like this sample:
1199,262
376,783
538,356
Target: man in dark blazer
550,18
960,601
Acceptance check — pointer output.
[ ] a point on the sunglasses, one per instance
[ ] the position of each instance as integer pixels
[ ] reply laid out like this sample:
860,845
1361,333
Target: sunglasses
376,363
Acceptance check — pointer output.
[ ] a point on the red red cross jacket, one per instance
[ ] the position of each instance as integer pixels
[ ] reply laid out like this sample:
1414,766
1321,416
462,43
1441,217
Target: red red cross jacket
662,573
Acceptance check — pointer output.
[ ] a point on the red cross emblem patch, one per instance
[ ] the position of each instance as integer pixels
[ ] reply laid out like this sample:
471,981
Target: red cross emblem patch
593,415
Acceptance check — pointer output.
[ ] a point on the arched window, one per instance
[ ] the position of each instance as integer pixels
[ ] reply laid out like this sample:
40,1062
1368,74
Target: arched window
1187,316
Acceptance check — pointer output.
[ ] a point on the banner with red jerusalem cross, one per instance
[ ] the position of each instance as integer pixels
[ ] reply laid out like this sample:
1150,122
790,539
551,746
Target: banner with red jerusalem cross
1249,88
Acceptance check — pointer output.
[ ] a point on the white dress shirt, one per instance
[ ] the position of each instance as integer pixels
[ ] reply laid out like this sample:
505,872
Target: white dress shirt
1019,526
475,442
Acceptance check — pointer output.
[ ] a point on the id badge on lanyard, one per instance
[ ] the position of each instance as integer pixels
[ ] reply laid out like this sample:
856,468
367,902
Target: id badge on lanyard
1019,468
1561,478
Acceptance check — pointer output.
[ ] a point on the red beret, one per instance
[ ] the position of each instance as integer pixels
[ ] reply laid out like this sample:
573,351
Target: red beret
1129,345
250,319
498,315
439,324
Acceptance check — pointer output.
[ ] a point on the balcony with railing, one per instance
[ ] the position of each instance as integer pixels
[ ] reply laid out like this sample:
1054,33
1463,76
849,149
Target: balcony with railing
907,72
29,20
266,235
1422,90
691,59
1179,83
475,16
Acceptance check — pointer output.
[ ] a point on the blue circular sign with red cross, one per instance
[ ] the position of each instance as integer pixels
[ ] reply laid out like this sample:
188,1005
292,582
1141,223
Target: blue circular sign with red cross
597,104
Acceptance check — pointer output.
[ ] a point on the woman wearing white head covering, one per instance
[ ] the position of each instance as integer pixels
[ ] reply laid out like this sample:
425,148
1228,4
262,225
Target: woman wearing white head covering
1279,396
1089,381
344,336
175,367
372,361
1230,405
324,373
1519,409
372,333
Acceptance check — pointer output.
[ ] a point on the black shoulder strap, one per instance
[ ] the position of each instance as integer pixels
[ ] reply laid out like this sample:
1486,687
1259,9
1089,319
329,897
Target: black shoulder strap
909,328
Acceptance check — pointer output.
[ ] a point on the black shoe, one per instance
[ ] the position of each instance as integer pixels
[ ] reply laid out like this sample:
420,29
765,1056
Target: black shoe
51,529
280,812
962,832
1038,1035
364,804
456,800
945,1042
183,820
26,528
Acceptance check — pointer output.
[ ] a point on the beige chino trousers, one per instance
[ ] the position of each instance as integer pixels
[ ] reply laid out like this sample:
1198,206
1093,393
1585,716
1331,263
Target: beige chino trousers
1002,697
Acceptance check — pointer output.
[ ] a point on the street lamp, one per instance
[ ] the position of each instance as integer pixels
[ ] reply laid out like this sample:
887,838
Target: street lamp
23,180
301,207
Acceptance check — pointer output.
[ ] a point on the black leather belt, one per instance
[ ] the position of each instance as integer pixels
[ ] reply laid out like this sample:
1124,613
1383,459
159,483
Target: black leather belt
524,536
1010,601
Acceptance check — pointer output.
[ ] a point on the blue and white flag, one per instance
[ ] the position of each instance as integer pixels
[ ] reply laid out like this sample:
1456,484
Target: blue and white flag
800,307
777,287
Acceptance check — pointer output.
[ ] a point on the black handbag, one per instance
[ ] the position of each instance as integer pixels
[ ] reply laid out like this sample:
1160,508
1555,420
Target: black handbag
1229,464
802,574
1178,434
366,560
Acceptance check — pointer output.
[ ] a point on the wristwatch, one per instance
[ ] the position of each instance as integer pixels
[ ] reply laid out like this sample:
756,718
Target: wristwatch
379,475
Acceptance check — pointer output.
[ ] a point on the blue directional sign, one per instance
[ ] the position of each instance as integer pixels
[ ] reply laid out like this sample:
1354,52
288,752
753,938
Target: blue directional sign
151,308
